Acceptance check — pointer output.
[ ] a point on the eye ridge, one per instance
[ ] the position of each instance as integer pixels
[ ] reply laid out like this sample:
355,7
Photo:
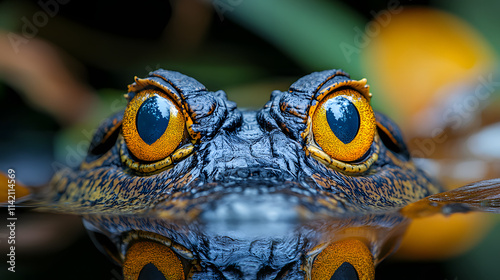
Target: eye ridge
153,118
343,118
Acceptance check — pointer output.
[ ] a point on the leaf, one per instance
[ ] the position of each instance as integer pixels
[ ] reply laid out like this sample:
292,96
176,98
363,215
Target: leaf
311,32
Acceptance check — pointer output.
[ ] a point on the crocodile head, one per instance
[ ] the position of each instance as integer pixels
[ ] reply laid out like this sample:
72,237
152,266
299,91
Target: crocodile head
184,185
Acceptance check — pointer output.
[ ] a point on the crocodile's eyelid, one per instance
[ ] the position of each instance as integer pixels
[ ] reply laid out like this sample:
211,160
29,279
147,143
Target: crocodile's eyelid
105,137
391,136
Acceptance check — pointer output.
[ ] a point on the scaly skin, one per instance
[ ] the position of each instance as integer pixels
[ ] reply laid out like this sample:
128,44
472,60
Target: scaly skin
232,159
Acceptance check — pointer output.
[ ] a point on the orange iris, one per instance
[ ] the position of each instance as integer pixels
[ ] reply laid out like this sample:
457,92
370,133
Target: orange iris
153,126
349,256
148,255
343,125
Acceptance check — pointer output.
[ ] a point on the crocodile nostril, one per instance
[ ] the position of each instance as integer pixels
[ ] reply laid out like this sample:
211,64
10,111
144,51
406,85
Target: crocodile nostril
249,173
243,173
219,177
265,174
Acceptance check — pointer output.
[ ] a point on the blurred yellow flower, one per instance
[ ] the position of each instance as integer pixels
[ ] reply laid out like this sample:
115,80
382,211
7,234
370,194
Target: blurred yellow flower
420,52
416,60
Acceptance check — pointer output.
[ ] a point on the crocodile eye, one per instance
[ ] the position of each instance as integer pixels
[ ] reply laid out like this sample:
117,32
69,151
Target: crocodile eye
343,125
153,126
348,259
151,260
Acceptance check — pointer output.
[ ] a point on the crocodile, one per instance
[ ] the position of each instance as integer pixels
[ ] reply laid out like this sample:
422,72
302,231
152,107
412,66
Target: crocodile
182,184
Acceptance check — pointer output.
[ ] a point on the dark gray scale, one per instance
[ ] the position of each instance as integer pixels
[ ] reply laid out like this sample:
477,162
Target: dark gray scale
343,118
152,119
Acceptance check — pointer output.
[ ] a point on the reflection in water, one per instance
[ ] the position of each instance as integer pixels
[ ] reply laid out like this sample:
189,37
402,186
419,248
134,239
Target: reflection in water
254,246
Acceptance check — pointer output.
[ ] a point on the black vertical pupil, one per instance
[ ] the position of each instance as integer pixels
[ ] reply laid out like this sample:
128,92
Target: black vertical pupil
150,272
152,119
345,272
343,118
